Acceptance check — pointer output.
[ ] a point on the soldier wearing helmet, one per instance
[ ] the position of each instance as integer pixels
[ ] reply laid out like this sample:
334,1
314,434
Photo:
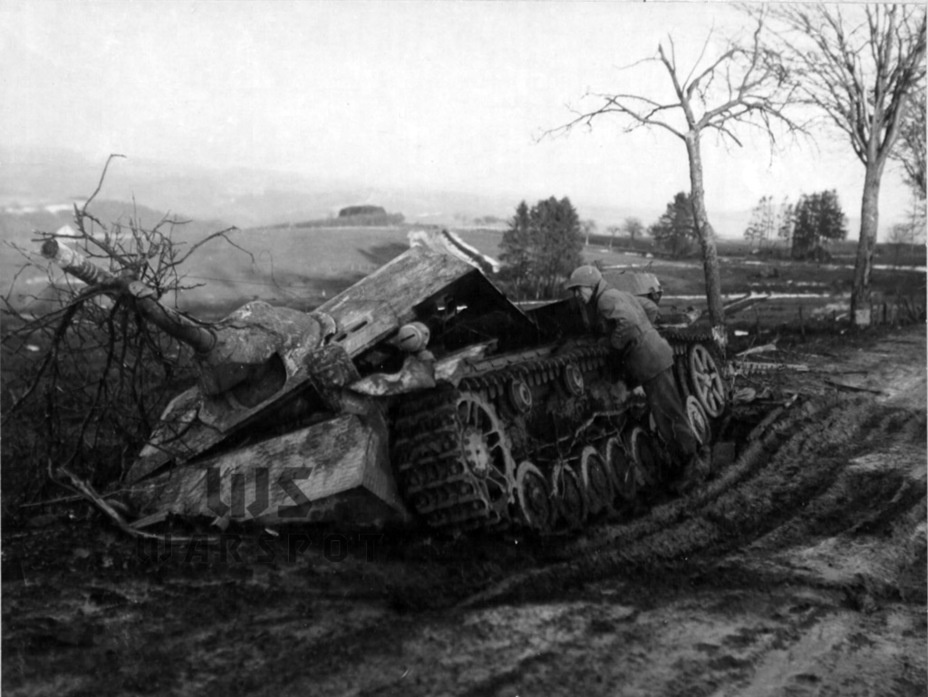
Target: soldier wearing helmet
646,357
644,286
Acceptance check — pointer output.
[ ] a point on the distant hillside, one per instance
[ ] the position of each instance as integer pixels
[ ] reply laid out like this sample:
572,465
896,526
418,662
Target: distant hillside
296,267
20,227
254,198
381,219
245,197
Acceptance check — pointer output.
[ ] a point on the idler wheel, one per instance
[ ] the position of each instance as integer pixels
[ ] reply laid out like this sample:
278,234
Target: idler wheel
622,468
572,379
568,495
596,480
520,396
485,452
699,422
533,495
706,381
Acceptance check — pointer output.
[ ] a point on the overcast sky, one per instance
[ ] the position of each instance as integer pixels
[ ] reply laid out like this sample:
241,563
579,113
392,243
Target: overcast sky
449,95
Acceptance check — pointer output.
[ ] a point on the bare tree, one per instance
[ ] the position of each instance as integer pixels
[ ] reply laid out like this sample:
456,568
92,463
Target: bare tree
633,227
858,66
613,230
739,86
911,149
587,228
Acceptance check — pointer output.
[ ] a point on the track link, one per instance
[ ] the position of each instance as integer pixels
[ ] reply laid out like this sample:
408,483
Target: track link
430,445
460,478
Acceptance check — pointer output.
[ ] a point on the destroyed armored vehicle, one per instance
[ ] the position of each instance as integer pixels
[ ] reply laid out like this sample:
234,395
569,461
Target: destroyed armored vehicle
419,395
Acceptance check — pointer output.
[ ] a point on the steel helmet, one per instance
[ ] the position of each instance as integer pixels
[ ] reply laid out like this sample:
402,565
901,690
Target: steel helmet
652,284
586,275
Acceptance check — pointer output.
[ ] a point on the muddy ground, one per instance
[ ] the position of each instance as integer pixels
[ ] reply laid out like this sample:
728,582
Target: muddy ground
798,569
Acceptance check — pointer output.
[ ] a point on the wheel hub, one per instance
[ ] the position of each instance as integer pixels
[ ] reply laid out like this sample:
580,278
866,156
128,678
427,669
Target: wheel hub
573,380
476,452
534,497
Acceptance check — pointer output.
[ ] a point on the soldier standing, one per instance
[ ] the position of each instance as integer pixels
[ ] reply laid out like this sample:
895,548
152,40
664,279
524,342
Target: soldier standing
647,360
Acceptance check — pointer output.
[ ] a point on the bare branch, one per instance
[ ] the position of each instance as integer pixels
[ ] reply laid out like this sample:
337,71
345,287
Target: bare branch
100,182
739,86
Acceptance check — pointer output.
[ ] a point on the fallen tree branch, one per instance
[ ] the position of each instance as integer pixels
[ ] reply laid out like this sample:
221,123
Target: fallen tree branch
852,388
87,492
757,349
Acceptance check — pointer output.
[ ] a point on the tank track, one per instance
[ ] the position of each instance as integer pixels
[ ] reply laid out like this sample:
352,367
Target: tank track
680,339
428,444
427,450
459,481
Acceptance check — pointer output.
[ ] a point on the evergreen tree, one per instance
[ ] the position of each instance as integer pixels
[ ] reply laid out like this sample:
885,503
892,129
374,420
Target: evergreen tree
541,247
516,245
818,220
676,228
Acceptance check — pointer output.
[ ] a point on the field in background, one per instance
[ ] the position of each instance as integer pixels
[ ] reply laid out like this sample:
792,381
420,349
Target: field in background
302,267
801,293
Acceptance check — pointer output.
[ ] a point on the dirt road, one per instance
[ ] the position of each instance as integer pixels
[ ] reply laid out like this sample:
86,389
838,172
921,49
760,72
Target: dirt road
799,569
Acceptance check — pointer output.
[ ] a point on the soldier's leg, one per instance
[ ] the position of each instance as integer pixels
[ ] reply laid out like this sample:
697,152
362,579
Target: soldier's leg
670,417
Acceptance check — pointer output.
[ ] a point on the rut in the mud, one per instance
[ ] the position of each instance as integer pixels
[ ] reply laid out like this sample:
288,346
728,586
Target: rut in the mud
795,483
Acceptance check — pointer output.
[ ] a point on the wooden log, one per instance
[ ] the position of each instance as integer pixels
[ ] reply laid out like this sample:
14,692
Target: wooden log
740,304
852,388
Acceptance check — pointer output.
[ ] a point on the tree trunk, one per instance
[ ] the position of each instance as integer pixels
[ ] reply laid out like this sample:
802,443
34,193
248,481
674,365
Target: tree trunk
869,220
706,233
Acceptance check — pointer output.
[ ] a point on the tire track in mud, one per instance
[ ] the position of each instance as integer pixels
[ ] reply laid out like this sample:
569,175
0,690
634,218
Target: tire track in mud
793,483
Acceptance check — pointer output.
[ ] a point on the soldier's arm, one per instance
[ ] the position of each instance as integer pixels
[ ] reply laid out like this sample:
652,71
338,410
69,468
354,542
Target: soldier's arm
622,327
650,308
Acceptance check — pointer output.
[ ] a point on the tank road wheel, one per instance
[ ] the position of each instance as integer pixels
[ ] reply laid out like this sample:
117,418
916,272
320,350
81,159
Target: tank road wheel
485,453
520,396
572,379
568,495
645,455
533,495
699,422
705,380
596,480
622,468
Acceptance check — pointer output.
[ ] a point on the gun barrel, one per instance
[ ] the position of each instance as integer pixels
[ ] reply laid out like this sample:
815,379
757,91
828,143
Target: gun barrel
200,338
74,263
